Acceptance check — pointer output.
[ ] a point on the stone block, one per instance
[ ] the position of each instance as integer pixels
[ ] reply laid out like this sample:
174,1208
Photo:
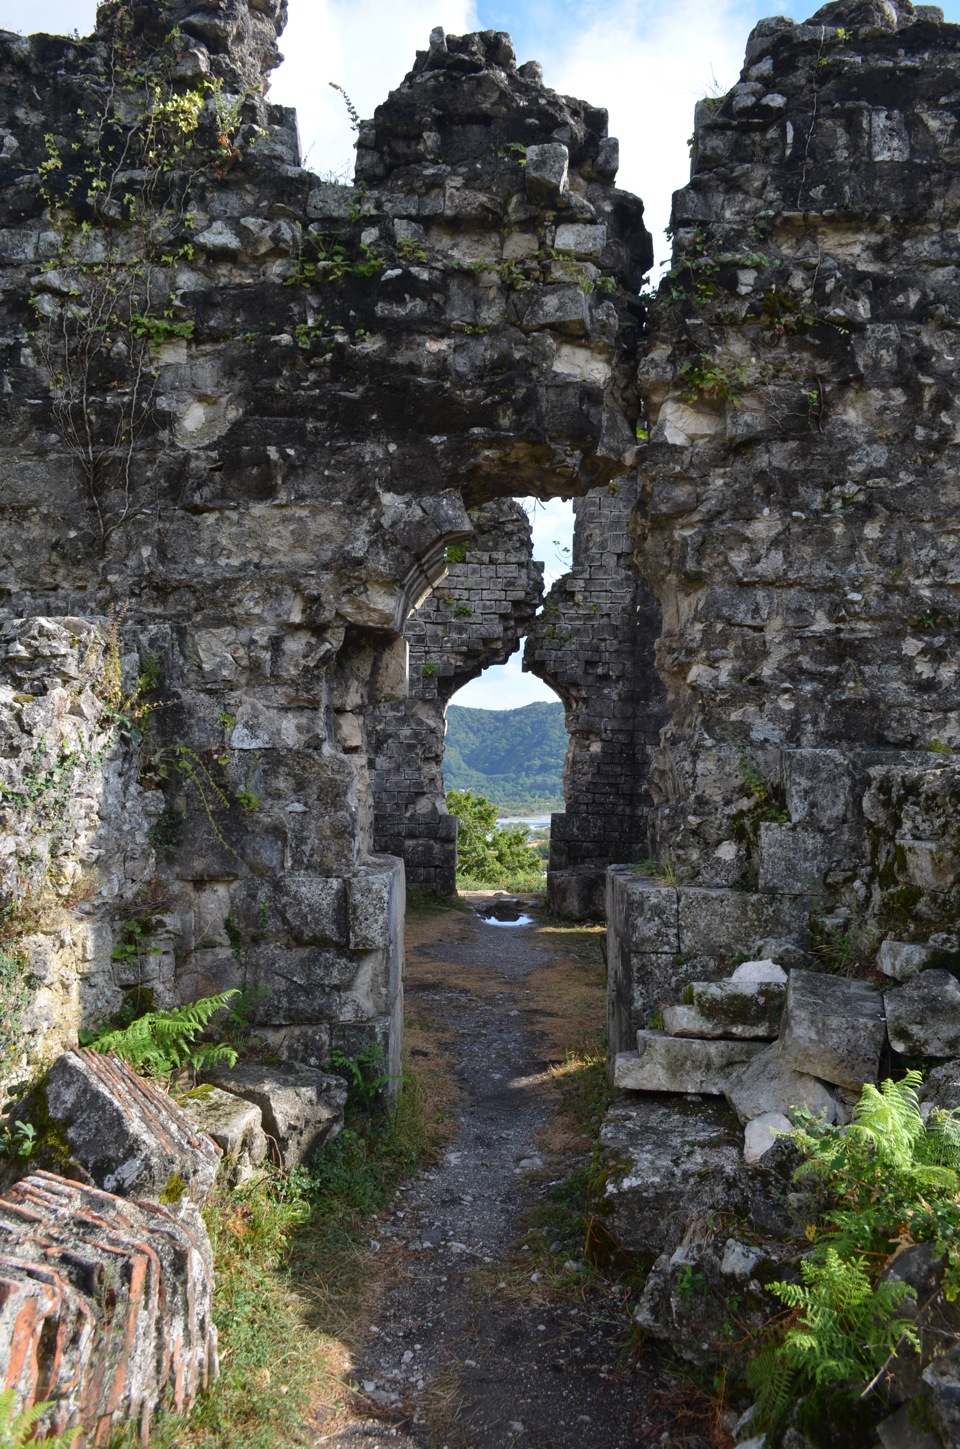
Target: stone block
733,1008
833,1028
761,1134
669,1159
767,1084
315,909
729,923
61,1245
664,1063
792,860
582,241
923,1017
301,1107
375,906
903,959
561,308
129,1136
234,1124
546,173
644,915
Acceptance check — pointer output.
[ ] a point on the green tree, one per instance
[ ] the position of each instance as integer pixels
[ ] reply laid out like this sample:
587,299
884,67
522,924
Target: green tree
487,855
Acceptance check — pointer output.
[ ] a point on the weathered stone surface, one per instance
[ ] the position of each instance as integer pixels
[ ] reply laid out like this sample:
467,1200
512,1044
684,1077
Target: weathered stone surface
833,1028
898,1432
942,1381
153,1346
761,1134
768,1084
746,1007
301,1108
941,1087
672,1159
235,1125
765,970
923,1017
686,1295
129,1136
665,1063
902,959
546,173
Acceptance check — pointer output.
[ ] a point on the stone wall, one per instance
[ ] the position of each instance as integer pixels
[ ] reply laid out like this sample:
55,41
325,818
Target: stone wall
594,644
473,619
264,455
796,518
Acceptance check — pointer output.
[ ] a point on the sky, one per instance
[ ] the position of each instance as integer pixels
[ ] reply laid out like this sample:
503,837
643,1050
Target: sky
647,61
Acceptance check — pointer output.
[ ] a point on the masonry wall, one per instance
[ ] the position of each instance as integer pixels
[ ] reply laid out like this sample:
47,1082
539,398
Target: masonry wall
799,491
473,619
260,463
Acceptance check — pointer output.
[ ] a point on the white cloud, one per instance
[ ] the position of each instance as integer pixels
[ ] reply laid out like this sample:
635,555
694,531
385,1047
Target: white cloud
366,46
52,17
649,64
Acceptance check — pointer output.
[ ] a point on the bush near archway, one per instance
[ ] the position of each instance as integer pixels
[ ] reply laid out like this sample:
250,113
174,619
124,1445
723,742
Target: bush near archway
486,855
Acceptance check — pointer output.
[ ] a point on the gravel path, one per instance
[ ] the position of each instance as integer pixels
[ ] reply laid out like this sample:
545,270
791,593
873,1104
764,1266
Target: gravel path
455,1357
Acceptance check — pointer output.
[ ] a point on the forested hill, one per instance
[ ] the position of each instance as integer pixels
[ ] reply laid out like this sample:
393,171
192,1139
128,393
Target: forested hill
512,756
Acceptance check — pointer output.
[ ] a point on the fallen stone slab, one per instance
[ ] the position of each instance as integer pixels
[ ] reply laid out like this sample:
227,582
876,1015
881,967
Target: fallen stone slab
665,1063
301,1107
127,1135
668,1159
235,1125
745,1008
923,1016
107,1358
903,959
761,1134
833,1028
766,1084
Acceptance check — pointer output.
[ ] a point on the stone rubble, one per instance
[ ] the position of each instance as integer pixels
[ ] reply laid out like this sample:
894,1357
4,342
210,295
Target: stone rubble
301,1108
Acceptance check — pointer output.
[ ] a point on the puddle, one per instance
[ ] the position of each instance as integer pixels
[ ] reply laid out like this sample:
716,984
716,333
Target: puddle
504,913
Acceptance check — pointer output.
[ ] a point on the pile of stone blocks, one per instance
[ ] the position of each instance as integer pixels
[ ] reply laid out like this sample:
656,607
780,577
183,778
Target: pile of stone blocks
106,1270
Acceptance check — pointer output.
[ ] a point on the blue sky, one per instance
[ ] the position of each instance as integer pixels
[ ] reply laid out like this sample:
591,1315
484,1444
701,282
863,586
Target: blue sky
647,61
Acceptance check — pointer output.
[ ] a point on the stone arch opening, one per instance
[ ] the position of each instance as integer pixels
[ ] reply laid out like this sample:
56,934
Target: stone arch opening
473,618
594,644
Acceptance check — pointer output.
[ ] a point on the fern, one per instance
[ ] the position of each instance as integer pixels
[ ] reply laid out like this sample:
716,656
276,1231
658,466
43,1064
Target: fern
161,1042
888,1179
17,1426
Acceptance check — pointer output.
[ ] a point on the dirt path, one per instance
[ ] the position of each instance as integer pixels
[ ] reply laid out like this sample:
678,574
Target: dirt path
466,1351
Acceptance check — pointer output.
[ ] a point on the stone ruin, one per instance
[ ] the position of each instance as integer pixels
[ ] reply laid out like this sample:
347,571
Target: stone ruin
251,420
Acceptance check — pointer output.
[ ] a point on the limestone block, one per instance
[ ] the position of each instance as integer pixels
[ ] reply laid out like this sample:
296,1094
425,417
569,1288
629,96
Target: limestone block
833,1028
897,1432
562,308
734,1008
375,906
546,172
903,959
766,970
670,1159
315,909
130,1137
941,1087
664,1063
792,860
923,1017
583,241
301,1107
60,1244
761,1134
728,922
767,1084
234,1124
643,915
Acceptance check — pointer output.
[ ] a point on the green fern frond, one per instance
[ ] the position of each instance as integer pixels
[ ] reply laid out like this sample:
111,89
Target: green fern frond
161,1042
771,1377
16,1426
888,1121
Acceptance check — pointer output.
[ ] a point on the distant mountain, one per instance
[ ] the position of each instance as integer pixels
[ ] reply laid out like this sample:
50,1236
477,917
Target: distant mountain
512,756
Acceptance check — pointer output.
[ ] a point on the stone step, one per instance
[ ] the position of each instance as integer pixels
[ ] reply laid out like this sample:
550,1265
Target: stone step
739,1007
664,1063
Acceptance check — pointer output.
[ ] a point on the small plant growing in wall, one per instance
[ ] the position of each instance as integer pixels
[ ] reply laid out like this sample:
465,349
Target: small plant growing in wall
708,379
159,1043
